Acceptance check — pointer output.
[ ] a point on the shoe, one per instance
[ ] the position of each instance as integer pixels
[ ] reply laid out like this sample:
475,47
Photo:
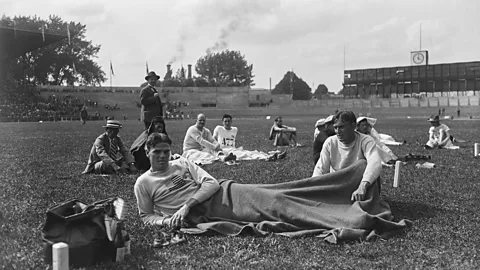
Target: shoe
230,156
427,147
299,145
172,237
273,157
282,155
161,240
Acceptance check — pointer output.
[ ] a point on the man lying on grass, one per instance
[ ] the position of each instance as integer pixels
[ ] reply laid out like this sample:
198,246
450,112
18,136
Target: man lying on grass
200,147
226,136
108,154
179,194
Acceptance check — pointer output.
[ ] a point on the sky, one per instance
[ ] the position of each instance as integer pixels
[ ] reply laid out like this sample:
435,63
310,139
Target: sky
316,39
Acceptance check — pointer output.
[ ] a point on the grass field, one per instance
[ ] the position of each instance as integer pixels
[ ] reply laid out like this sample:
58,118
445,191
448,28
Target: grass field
40,165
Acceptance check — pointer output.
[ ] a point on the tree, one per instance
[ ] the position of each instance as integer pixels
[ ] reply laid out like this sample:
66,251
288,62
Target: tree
226,68
59,63
291,84
320,91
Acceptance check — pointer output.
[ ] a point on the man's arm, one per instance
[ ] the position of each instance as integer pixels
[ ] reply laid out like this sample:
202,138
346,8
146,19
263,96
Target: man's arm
372,171
374,162
444,137
102,152
197,136
208,187
145,206
324,163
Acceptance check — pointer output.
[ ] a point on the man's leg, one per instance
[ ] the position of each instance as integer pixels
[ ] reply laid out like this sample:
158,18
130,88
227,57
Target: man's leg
102,168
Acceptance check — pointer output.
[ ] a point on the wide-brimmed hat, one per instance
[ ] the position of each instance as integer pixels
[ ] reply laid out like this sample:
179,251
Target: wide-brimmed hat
113,124
434,118
152,74
324,121
371,121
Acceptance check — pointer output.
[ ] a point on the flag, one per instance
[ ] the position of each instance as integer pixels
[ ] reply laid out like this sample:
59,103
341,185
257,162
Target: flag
146,65
43,33
74,68
111,69
68,34
14,28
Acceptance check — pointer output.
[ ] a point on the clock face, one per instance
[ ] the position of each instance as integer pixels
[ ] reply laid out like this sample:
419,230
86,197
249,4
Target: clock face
418,58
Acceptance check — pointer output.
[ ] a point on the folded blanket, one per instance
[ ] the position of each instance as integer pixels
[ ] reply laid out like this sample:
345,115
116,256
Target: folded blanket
200,157
243,154
318,206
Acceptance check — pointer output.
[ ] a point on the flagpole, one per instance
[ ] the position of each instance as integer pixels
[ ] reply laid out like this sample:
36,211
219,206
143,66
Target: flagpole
110,75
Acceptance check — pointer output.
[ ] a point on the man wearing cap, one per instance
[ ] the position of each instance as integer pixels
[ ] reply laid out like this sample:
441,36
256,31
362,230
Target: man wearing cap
324,129
150,100
108,154
439,135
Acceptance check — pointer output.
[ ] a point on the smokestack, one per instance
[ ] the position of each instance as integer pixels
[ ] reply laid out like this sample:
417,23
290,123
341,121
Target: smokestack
189,72
169,72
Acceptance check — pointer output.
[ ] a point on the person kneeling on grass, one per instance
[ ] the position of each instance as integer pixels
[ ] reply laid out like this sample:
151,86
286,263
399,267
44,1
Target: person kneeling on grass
138,147
345,149
200,147
365,126
283,135
179,194
226,135
108,154
439,134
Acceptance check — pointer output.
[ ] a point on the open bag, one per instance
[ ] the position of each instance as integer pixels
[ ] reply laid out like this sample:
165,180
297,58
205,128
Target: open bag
82,227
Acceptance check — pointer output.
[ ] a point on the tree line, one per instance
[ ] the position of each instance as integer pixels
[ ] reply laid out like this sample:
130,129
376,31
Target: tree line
72,61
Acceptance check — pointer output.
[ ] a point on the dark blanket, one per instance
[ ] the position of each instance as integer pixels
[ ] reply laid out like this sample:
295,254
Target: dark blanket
313,206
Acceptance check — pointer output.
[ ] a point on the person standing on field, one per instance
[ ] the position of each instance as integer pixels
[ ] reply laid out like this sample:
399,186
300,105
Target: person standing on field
84,115
150,100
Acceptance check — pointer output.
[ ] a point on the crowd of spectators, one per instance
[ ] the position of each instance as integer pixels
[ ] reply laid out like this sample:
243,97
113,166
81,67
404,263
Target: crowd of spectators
27,105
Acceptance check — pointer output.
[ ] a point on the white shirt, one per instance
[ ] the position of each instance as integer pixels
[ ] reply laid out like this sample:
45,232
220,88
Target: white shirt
226,138
437,130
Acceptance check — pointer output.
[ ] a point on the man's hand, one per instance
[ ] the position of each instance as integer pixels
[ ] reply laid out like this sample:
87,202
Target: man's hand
156,94
178,218
359,194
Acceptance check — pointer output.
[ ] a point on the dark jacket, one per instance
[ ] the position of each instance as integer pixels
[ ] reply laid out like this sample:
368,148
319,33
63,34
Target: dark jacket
100,150
138,146
151,105
318,144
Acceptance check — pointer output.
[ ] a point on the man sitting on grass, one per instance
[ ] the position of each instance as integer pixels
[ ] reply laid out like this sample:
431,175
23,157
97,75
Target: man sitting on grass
108,154
438,134
226,136
283,135
345,149
200,147
179,194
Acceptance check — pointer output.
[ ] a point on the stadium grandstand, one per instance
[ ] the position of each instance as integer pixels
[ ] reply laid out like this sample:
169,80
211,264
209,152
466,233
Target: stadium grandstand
419,79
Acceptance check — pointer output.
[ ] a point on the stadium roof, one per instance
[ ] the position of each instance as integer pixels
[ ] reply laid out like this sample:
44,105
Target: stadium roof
15,43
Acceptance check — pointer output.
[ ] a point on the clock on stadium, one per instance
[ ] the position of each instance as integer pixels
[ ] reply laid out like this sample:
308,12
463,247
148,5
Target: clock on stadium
419,58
